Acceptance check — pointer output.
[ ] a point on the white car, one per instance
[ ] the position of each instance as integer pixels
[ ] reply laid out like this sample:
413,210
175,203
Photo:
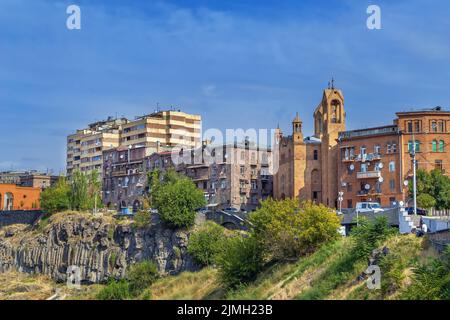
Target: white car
368,207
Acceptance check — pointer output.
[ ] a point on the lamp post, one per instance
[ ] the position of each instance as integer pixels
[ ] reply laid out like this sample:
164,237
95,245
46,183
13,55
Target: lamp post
340,199
413,156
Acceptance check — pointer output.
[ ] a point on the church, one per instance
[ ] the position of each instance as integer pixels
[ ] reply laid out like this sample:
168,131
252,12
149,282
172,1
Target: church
308,165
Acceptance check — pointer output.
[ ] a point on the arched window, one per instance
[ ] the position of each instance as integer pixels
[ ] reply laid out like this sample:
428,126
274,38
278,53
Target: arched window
417,146
434,146
441,146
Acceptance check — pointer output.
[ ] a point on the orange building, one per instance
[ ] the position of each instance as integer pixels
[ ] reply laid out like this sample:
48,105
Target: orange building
13,197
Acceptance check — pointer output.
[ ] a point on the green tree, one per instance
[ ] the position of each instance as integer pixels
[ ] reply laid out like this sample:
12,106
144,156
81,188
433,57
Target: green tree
140,276
424,200
57,197
176,198
240,261
287,229
436,185
206,243
85,190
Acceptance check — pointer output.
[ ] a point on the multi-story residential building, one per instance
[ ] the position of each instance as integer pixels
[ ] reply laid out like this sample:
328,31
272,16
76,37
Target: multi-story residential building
367,164
376,162
124,178
369,167
154,132
85,147
162,130
232,175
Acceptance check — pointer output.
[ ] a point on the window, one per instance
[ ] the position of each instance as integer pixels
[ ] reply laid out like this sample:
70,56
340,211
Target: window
363,150
441,146
394,148
417,146
392,201
316,155
377,149
392,166
315,195
363,167
242,155
417,126
254,184
392,184
389,148
409,126
433,126
441,126
242,170
434,146
438,165
349,187
411,146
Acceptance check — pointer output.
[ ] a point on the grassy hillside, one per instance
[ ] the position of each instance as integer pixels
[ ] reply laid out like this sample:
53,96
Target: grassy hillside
329,273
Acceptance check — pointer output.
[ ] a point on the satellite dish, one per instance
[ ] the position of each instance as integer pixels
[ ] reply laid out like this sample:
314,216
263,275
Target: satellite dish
367,186
380,179
401,203
406,182
352,167
344,184
380,165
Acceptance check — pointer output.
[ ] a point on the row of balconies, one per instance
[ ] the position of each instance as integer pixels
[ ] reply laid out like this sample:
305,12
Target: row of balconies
362,157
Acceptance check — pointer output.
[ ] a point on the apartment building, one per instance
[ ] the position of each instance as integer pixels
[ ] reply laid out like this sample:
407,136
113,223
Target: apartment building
155,132
85,147
124,177
369,166
233,175
162,130
374,163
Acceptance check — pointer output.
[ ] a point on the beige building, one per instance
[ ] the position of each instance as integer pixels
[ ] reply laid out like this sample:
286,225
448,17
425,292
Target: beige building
162,130
155,132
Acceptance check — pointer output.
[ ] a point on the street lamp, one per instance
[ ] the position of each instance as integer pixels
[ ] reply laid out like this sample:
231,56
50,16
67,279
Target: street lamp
340,199
413,156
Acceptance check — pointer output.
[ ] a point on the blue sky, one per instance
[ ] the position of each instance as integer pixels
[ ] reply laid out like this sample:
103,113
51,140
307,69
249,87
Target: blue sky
240,64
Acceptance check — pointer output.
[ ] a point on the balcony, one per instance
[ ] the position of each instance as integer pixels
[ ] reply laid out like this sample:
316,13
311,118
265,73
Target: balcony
368,175
366,193
368,157
348,158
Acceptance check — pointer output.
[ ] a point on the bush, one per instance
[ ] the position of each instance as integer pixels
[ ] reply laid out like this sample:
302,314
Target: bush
115,290
142,219
56,198
431,280
426,201
240,261
287,229
369,235
205,244
141,276
176,198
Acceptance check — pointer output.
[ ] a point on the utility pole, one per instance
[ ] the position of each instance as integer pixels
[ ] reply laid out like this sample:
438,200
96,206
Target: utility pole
413,156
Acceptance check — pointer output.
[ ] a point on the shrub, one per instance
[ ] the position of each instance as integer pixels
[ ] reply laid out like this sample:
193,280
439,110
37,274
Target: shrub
369,234
287,229
115,290
426,201
141,276
206,243
142,219
176,198
240,261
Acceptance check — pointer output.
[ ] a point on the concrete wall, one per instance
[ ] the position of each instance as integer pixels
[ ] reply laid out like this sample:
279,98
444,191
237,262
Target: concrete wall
8,218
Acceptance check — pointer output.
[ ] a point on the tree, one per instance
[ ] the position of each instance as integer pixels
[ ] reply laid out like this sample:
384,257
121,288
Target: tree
424,200
85,190
288,229
240,261
206,243
57,197
176,198
436,185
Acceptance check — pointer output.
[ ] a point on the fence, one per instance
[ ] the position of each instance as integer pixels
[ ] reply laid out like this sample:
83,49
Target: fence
439,213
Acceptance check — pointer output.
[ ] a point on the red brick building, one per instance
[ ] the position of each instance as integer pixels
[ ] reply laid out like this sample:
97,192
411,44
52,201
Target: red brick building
374,163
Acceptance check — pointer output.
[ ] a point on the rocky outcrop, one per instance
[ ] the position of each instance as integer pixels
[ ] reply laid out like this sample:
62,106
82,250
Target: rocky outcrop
99,248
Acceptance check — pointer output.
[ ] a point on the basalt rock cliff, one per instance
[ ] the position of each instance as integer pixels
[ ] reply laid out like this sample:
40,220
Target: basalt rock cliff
99,248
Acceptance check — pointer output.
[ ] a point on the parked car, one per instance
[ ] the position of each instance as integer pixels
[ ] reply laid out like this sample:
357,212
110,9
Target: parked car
231,210
420,212
368,207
